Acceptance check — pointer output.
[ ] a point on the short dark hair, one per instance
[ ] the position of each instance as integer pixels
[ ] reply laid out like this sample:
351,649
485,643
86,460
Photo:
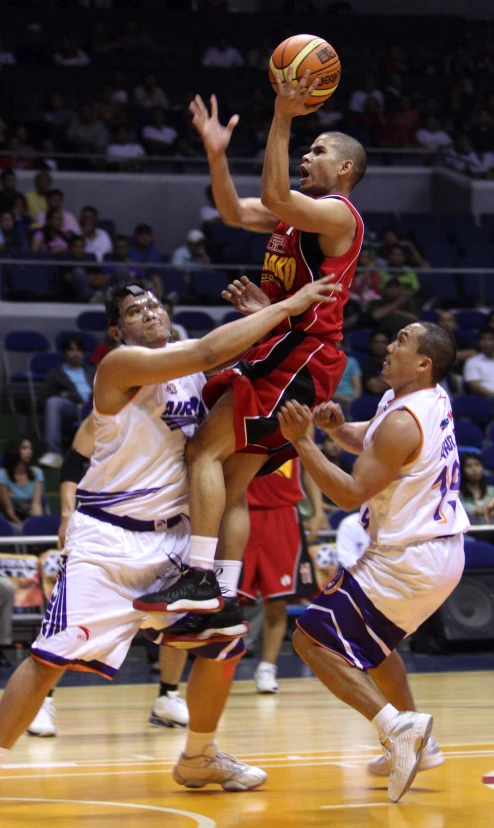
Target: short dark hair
349,147
68,340
440,346
118,293
74,239
143,228
54,191
88,208
5,173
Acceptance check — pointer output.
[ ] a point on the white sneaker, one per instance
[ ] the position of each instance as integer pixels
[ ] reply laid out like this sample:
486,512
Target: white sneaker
403,746
51,459
42,724
169,711
432,757
265,678
215,767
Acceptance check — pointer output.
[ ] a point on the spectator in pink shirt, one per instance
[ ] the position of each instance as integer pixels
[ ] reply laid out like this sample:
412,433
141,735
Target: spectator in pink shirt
54,201
51,238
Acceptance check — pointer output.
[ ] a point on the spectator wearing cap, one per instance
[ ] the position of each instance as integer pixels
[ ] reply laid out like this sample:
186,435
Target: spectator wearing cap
54,201
194,252
65,388
37,198
96,240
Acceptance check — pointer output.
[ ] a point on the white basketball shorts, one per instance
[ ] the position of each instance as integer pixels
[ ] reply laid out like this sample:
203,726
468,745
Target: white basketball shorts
90,622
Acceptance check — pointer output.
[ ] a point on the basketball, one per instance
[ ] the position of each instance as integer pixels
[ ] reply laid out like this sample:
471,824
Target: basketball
304,52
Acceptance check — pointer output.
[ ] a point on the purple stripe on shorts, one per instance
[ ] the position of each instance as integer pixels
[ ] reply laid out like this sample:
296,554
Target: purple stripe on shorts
343,619
59,661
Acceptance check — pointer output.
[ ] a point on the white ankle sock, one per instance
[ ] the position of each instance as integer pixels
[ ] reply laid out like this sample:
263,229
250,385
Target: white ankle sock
202,551
3,755
228,578
382,722
198,742
266,665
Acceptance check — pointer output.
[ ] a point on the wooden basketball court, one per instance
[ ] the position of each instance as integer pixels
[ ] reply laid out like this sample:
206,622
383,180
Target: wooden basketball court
108,767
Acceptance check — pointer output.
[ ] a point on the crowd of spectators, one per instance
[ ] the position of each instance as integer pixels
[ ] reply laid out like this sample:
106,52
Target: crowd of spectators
448,115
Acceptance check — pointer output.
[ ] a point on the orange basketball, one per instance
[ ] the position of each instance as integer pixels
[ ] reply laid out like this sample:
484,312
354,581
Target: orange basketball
307,52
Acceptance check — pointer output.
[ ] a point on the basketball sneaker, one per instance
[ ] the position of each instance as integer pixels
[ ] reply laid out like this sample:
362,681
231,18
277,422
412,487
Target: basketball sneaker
222,626
169,711
403,746
43,724
265,678
197,590
217,768
432,757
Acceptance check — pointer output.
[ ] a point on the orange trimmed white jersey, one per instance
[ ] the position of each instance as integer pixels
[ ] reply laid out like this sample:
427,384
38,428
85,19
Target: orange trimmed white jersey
423,501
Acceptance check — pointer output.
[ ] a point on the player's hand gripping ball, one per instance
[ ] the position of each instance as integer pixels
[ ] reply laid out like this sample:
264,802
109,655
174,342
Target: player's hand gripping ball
306,52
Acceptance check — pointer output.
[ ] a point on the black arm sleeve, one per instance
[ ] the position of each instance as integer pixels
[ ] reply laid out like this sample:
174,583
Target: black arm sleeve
74,467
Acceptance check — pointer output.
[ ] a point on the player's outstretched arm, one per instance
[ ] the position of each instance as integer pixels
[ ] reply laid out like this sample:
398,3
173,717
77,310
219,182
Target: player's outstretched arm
131,367
396,442
248,213
329,417
329,217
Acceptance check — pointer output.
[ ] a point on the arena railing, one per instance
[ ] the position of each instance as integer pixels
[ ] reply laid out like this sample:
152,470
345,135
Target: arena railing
99,162
466,291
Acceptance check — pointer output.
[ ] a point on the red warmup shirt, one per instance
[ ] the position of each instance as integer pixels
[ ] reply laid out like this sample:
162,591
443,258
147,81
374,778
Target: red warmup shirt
274,491
293,258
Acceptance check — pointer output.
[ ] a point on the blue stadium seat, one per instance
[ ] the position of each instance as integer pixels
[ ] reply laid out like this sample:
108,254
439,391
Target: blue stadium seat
196,323
490,432
257,247
470,319
347,458
91,321
108,225
40,364
470,336
361,356
89,340
30,282
429,315
478,554
363,408
41,525
231,316
17,350
380,221
476,254
488,458
468,434
476,408
6,528
359,340
227,245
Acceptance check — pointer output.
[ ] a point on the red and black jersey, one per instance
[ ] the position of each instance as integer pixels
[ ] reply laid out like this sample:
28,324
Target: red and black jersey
274,491
293,258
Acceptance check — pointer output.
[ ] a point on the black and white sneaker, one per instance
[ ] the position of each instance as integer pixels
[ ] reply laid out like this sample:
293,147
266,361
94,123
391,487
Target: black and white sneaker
222,626
197,590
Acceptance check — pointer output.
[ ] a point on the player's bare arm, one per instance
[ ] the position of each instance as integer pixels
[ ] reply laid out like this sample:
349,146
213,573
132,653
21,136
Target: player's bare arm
83,444
330,218
248,213
329,417
396,442
124,370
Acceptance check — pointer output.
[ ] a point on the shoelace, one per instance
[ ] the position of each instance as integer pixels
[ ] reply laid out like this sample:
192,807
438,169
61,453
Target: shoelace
226,760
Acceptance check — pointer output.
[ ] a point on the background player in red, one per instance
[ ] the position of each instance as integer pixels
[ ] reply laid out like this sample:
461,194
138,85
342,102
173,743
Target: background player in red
277,564
314,232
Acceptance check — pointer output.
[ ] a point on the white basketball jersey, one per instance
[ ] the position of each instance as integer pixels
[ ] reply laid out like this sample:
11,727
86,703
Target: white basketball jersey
138,467
423,501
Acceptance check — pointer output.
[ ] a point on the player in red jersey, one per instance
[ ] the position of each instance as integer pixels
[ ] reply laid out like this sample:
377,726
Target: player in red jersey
316,231
277,564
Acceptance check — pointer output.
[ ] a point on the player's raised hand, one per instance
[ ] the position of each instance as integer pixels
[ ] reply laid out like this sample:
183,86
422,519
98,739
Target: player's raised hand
328,416
292,100
245,296
215,136
295,421
322,290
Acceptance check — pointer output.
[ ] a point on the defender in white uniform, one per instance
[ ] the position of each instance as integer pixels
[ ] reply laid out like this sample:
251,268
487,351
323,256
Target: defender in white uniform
131,532
406,482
